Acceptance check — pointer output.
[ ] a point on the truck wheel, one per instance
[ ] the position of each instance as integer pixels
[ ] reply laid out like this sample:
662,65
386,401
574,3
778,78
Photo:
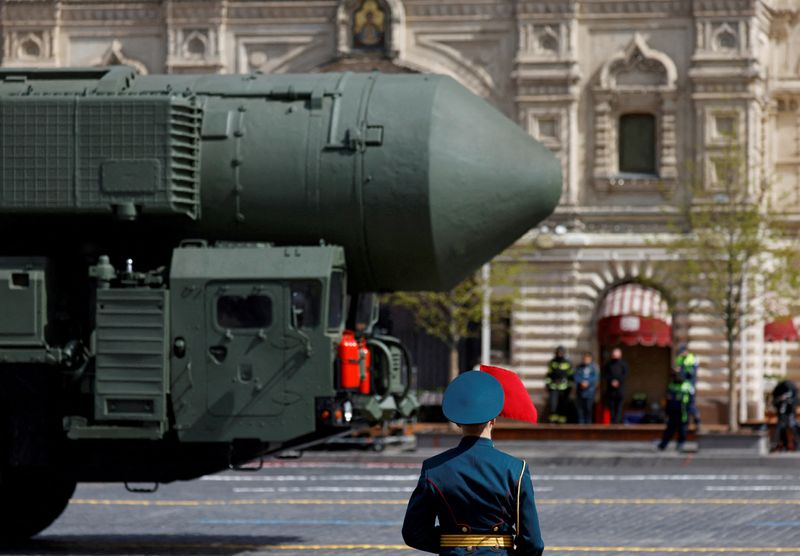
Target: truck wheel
30,500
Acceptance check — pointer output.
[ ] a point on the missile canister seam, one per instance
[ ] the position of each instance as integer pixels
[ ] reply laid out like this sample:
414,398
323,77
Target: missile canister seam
237,163
361,177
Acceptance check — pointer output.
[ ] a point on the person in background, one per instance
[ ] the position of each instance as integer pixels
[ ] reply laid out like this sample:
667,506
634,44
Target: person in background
558,382
784,400
615,372
585,386
687,364
679,392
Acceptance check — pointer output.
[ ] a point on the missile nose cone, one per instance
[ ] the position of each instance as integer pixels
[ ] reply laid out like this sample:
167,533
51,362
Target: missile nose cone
456,182
490,182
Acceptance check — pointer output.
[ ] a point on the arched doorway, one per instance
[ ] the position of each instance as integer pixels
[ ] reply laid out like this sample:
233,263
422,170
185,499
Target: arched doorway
637,319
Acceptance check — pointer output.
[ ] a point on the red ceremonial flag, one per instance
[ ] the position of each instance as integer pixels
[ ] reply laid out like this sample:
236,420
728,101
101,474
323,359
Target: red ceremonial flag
518,404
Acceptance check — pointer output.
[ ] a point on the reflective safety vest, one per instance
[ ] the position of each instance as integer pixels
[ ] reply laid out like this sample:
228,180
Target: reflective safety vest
678,396
687,364
559,374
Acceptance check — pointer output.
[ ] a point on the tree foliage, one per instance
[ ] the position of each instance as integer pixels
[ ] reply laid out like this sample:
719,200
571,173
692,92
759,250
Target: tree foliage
451,316
732,250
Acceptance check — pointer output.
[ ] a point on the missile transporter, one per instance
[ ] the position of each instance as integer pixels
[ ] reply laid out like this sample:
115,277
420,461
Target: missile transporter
189,264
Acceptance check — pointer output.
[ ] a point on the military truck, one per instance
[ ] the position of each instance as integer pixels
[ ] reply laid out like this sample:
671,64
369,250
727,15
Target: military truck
189,264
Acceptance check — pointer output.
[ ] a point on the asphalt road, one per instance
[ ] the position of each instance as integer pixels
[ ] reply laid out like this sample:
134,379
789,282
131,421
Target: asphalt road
345,507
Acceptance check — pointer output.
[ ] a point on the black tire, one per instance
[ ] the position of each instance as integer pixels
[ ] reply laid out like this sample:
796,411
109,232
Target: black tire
30,500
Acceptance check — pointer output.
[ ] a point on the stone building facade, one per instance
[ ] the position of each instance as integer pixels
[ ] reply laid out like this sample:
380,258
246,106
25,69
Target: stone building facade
626,93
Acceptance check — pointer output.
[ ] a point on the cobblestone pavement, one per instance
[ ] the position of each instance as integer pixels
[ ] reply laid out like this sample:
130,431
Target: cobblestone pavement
347,508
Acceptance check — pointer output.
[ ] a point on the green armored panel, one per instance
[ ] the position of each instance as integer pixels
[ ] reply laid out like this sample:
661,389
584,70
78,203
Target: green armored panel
248,363
99,154
23,300
131,364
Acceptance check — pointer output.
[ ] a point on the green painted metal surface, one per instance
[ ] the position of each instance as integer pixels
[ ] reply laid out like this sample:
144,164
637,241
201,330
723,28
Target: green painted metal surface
256,376
418,179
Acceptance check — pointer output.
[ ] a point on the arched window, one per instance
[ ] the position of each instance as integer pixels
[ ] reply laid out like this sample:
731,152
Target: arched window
195,47
637,144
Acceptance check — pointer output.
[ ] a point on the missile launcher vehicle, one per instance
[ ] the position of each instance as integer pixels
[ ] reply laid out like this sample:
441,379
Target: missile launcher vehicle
190,264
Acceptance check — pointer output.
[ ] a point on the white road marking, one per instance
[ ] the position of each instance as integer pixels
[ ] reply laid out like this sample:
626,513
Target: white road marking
323,489
405,490
361,478
295,464
756,488
675,477
281,478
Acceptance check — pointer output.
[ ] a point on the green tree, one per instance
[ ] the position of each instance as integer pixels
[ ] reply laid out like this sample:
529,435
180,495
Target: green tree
732,250
451,316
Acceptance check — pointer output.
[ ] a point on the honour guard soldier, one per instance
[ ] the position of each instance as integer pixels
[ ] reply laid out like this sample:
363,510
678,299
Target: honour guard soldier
483,498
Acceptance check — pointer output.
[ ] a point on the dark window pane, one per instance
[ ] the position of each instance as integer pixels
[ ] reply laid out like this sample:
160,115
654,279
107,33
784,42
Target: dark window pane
239,311
306,296
336,301
637,143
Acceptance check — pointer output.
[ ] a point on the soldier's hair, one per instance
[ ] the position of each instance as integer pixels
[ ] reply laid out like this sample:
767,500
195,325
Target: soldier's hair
474,430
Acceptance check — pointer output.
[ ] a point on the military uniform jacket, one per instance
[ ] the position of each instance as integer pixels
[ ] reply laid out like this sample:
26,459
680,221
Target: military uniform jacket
472,489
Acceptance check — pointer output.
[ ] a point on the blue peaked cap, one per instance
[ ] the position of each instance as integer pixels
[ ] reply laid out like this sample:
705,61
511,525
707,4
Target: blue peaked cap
473,397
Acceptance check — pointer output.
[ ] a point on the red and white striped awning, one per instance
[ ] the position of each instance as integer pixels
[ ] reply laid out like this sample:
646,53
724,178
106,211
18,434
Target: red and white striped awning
636,299
634,314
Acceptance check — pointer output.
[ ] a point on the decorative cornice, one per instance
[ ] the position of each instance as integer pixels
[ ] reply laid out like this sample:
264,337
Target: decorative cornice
23,14
246,12
121,13
458,10
540,8
634,8
724,7
196,12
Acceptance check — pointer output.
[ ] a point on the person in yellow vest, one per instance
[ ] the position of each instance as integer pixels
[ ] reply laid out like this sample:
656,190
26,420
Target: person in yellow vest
679,392
558,382
687,364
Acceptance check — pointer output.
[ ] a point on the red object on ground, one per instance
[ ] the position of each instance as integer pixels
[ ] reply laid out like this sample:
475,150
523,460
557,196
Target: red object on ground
518,404
634,330
351,353
780,330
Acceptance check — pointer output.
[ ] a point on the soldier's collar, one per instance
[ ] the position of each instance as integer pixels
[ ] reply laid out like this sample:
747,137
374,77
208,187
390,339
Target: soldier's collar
469,441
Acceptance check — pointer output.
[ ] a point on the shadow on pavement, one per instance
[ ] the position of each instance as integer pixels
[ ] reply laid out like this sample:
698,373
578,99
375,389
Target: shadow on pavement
150,545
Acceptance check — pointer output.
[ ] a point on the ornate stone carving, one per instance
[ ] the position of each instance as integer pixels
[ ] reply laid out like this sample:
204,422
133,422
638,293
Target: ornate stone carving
638,67
471,59
636,79
274,54
114,56
31,47
548,41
